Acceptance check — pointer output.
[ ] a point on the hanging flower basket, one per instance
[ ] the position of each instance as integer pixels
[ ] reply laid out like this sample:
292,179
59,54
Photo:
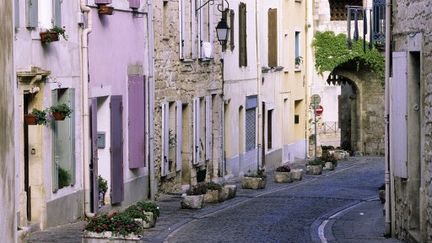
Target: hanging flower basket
105,10
58,116
30,119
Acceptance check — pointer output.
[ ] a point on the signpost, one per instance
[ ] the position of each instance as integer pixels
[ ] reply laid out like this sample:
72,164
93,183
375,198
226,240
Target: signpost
315,104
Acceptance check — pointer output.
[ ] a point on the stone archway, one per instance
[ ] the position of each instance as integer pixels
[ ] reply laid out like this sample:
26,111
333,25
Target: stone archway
365,130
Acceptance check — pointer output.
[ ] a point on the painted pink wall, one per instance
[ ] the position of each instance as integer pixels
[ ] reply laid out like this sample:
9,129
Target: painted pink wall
115,42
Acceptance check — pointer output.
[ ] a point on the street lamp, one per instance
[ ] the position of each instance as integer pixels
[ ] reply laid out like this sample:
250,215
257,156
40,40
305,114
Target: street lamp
222,28
222,31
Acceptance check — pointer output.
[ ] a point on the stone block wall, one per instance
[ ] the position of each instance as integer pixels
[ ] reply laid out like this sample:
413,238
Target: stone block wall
183,80
410,19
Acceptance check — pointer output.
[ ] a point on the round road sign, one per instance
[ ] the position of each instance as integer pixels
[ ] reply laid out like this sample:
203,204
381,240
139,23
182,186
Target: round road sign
319,110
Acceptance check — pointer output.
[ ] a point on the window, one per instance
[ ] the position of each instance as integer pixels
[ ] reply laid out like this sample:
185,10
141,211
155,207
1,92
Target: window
196,29
298,58
269,128
187,29
242,36
338,9
228,15
272,37
171,137
205,33
44,14
63,159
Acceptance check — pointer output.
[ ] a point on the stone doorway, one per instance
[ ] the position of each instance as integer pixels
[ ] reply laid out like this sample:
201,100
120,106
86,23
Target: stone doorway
361,109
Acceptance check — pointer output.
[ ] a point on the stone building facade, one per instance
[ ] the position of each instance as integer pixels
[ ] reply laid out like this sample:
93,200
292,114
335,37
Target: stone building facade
188,89
410,100
7,168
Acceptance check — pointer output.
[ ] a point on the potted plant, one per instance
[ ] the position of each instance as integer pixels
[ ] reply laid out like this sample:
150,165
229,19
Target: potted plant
60,111
105,10
53,34
103,188
298,61
194,198
282,174
254,180
314,167
329,160
64,177
36,117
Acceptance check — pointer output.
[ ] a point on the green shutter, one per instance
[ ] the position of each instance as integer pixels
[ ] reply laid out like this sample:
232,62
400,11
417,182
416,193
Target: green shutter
272,37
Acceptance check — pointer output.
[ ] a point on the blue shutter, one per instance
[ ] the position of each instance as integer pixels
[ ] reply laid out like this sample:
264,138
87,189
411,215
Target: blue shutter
32,13
94,156
57,19
117,186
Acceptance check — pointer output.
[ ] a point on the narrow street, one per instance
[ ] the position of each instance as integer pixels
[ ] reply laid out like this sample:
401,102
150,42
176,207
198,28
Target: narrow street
343,204
293,213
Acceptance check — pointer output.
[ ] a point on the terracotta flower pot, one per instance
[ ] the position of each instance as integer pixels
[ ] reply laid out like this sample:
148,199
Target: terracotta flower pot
58,116
48,36
105,10
30,119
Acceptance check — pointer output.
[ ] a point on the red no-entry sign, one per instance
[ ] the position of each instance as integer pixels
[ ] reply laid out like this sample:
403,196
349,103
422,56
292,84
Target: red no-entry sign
319,110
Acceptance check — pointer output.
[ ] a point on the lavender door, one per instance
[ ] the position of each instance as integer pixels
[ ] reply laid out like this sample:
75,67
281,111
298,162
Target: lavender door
136,121
117,187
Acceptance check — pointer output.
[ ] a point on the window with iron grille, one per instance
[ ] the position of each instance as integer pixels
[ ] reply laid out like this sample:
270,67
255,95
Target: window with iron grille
338,9
250,129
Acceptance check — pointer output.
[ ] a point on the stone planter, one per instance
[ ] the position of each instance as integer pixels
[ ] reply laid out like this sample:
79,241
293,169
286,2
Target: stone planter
192,201
329,166
296,174
282,177
230,190
253,183
150,221
212,196
107,236
314,169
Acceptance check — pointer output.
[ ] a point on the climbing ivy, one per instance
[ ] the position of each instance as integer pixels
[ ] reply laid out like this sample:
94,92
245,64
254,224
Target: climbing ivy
331,51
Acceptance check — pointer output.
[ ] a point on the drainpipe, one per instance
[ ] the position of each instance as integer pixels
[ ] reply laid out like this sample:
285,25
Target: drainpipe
152,182
388,167
258,69
85,110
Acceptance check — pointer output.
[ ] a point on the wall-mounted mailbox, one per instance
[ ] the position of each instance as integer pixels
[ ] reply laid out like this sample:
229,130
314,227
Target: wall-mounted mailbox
101,140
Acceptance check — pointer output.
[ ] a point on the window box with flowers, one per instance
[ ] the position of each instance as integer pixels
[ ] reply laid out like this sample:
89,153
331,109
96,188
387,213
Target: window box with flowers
53,34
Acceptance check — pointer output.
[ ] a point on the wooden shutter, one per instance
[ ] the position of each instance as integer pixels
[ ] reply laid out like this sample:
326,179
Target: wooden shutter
136,121
57,16
179,135
182,27
225,16
32,13
165,139
231,37
272,37
242,36
117,182
208,127
398,115
94,156
196,130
